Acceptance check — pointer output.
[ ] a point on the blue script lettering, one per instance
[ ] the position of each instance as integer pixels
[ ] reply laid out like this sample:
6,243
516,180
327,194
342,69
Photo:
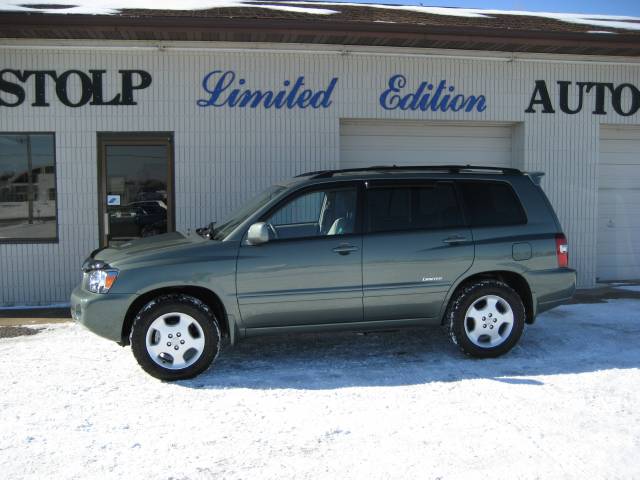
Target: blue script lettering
226,89
429,97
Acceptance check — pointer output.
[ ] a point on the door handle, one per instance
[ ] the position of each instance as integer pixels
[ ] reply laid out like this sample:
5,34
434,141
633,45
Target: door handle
345,249
454,239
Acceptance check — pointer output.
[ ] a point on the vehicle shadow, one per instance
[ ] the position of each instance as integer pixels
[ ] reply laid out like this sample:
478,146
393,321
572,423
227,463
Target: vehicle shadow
572,339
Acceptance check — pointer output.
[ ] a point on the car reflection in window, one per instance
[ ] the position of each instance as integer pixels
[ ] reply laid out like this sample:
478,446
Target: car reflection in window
138,219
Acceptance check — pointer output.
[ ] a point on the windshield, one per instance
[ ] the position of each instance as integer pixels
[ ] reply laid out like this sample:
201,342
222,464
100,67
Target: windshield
239,215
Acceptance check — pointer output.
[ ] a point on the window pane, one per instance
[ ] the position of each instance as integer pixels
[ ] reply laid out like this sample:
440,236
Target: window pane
413,208
235,218
27,187
492,203
389,209
316,214
138,176
437,207
303,209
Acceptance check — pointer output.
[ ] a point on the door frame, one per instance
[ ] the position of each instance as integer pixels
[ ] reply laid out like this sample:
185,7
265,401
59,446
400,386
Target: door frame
132,138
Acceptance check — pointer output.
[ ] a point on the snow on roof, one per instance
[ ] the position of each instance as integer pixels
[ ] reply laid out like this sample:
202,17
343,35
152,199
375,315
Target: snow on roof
111,7
604,21
450,11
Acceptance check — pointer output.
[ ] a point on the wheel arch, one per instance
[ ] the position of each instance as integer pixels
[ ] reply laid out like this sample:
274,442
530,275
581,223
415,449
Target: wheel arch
514,279
206,296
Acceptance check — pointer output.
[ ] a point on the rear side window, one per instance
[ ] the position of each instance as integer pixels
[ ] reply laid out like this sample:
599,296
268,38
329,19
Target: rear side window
412,207
491,204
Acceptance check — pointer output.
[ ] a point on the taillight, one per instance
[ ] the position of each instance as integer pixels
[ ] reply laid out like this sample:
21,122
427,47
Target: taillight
562,250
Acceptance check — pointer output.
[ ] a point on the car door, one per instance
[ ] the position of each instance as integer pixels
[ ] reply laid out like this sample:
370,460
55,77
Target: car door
415,246
311,272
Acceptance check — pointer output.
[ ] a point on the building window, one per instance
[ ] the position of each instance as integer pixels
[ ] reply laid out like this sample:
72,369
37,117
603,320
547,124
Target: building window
27,187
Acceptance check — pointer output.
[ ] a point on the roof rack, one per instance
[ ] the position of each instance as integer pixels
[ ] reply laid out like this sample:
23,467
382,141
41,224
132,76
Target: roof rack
408,168
313,174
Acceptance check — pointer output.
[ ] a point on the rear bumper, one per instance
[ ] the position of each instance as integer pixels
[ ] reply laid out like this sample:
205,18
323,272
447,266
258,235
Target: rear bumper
103,314
552,288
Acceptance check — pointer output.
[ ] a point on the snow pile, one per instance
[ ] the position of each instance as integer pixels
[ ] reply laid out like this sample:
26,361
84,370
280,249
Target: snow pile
563,404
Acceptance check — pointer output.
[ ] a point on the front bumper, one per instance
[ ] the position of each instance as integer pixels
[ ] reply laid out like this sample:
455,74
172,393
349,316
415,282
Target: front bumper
103,314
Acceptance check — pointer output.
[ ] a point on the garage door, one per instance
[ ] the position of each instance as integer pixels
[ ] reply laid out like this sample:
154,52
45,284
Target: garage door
619,204
374,142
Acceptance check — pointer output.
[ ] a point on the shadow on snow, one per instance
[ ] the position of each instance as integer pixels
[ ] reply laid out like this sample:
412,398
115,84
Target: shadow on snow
568,340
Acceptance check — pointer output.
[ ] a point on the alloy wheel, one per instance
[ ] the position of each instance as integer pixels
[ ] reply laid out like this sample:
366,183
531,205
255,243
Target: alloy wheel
175,340
489,321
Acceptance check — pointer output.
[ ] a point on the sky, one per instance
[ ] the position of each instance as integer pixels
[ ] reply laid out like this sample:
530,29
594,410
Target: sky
610,7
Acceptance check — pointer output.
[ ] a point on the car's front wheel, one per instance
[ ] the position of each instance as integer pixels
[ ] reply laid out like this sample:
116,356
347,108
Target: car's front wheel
485,319
175,337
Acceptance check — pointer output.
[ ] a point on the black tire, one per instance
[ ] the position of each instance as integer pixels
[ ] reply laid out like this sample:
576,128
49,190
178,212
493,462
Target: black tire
187,305
464,298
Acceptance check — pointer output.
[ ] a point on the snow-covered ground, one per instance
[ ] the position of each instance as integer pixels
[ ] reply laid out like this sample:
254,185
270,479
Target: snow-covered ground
563,404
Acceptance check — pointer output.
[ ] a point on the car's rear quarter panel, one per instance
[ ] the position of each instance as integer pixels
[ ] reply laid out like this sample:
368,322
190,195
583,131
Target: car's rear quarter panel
506,248
528,250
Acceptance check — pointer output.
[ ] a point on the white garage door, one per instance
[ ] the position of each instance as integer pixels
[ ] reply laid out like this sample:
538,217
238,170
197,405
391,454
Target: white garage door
366,143
619,204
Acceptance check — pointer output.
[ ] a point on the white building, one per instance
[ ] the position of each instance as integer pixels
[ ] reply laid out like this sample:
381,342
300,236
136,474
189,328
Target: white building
167,119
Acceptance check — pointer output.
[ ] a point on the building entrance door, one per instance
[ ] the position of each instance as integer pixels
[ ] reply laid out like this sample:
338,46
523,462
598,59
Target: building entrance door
135,174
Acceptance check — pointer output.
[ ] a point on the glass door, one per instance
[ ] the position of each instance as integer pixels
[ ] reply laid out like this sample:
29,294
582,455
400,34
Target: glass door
136,186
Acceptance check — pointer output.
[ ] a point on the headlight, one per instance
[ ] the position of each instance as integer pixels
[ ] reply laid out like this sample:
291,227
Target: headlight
100,281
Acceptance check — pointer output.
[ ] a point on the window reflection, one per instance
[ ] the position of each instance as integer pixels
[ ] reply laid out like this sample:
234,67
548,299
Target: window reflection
137,196
27,187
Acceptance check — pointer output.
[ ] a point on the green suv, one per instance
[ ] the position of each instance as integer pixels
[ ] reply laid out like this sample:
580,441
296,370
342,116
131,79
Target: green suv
478,250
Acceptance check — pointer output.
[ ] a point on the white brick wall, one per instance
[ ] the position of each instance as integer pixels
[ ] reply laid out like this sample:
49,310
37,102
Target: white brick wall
224,155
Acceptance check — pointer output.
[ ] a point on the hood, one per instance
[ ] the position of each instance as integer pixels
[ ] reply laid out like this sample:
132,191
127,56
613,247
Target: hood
149,248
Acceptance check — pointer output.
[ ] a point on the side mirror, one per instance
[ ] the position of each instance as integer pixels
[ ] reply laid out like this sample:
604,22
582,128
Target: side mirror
258,233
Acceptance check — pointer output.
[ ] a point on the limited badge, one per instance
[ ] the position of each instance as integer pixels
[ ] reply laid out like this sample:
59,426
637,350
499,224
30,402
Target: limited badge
431,279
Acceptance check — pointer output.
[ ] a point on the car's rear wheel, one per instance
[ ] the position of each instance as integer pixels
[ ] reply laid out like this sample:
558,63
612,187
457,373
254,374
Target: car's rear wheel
175,337
486,319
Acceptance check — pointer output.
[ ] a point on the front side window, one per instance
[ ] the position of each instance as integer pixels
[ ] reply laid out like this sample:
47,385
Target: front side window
235,218
412,207
491,204
27,187
317,213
